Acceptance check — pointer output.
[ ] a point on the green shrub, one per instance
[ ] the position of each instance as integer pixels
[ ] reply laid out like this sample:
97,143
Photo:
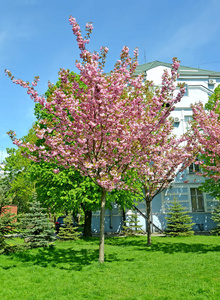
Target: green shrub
7,225
69,232
132,227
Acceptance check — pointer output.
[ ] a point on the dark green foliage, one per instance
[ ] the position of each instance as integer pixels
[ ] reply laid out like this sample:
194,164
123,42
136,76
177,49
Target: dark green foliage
178,222
211,186
7,225
132,227
39,231
7,219
216,218
62,192
69,232
213,99
66,191
17,177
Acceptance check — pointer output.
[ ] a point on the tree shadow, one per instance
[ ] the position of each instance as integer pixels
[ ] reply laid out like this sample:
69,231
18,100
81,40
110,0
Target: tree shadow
164,246
67,259
175,247
70,258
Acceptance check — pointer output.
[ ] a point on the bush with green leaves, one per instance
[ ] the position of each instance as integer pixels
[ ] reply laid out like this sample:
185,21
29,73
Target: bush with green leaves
7,219
7,225
132,226
216,218
39,232
69,232
179,223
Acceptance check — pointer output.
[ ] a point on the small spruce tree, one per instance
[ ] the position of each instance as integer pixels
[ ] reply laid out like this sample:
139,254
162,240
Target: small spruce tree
132,227
39,232
178,222
216,218
69,232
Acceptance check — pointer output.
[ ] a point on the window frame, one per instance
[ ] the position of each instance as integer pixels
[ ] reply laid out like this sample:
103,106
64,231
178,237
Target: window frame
194,168
197,200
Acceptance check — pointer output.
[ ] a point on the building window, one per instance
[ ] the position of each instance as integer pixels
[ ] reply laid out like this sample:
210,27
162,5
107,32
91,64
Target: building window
187,120
194,168
187,91
197,200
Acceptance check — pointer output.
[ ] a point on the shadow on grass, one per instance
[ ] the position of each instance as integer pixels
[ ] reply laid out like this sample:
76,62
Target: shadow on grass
67,259
164,246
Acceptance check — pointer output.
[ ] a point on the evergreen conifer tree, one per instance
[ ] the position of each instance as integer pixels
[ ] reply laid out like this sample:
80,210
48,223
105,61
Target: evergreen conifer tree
178,222
132,227
69,232
39,231
216,218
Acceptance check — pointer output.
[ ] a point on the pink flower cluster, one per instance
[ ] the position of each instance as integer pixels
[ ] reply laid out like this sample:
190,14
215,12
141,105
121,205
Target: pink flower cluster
206,133
30,89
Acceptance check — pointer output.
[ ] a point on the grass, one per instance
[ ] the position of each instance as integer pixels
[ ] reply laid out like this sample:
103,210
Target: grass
172,269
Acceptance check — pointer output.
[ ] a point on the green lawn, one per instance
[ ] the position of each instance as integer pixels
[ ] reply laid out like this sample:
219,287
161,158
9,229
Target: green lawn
172,268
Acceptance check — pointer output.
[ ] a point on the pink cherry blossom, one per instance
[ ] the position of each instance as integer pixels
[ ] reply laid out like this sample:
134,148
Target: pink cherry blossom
206,133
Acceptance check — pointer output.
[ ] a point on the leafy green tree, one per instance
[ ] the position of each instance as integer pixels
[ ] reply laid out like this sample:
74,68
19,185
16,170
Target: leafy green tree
7,224
39,232
178,222
20,187
67,191
216,218
211,187
213,99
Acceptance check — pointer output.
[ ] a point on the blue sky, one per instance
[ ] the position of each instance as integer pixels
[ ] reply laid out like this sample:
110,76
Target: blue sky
36,39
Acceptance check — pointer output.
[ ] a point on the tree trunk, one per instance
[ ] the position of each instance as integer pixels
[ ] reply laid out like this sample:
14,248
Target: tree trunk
148,201
102,227
54,218
124,217
87,231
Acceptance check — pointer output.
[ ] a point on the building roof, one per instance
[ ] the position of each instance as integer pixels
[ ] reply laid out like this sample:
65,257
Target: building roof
184,71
